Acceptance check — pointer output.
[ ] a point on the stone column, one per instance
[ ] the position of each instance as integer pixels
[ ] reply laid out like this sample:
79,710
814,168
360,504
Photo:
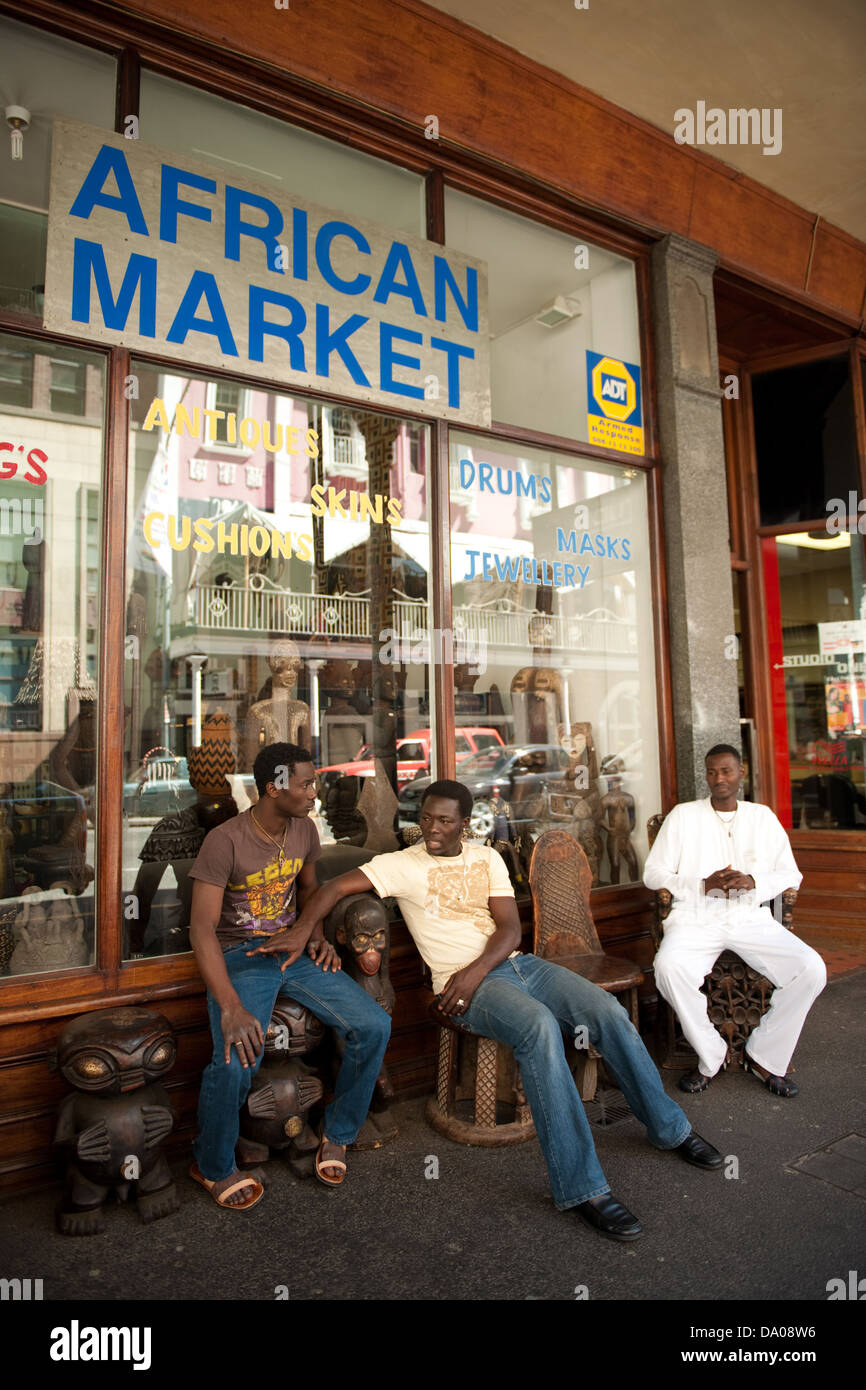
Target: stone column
700,602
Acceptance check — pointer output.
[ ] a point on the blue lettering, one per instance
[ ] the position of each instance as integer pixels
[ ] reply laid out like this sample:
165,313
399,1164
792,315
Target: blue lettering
89,258
400,259
612,552
568,571
544,490
485,561
443,278
485,477
324,237
92,193
388,358
454,352
525,486
290,332
471,556
509,568
328,342
583,571
506,491
170,204
626,549
202,285
467,479
586,544
299,243
566,540
268,235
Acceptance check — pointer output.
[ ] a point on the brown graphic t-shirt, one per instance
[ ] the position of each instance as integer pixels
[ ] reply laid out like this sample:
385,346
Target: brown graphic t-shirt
260,896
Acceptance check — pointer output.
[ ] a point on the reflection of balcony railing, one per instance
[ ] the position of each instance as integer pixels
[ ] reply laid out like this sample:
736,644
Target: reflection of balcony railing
268,609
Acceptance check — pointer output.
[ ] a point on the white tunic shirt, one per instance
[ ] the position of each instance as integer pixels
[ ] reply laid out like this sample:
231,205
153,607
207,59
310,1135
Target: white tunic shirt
694,841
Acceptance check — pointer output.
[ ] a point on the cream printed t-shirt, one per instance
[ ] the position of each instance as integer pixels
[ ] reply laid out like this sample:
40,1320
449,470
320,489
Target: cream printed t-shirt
443,901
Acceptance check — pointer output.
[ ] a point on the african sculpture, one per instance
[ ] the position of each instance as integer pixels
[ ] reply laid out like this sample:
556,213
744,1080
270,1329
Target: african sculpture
279,717
49,936
618,820
110,1129
283,1090
359,928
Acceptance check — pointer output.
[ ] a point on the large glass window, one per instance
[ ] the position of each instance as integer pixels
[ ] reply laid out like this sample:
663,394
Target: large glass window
277,589
816,603
47,77
553,651
552,299
181,118
50,491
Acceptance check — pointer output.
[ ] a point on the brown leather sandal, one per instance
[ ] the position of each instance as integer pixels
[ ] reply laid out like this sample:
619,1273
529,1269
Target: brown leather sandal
220,1197
694,1081
324,1163
776,1085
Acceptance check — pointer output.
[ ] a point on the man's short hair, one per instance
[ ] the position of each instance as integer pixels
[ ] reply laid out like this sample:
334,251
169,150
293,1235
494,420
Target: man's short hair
452,791
274,756
719,748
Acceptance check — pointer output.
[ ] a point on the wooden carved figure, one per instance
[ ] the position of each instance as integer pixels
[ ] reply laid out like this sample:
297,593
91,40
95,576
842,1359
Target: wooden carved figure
284,1089
618,819
359,928
111,1128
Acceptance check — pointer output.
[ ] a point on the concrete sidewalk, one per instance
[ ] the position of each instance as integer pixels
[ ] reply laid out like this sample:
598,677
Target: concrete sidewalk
487,1229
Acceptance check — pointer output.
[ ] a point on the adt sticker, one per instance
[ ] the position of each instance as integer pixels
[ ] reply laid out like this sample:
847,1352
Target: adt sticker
614,416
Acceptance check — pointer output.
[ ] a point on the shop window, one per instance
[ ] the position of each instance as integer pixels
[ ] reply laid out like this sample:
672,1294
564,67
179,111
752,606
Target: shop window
68,390
48,77
816,607
297,609
50,492
553,652
188,121
551,299
227,398
805,440
16,374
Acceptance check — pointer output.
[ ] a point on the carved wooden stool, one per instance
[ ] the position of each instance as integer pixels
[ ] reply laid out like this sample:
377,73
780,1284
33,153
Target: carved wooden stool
479,1097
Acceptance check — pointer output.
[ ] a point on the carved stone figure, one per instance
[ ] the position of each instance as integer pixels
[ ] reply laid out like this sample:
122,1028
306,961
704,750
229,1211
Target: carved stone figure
50,936
618,819
283,1091
111,1128
279,717
359,928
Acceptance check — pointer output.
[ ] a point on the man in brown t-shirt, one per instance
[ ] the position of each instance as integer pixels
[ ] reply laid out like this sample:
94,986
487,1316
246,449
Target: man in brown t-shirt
252,875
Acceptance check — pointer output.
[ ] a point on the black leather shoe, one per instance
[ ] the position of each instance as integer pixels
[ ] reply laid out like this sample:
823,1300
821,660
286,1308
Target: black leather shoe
697,1151
610,1217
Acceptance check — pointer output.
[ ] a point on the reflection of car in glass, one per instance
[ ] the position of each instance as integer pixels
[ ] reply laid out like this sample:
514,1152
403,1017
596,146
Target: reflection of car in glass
517,775
413,754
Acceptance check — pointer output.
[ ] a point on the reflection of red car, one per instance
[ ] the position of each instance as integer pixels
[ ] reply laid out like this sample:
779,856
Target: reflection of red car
413,754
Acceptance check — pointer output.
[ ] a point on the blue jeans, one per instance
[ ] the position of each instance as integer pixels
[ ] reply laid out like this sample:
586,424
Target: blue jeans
332,997
527,1002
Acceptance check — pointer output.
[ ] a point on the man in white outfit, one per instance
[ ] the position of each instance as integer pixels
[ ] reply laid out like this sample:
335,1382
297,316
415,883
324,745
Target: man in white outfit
721,859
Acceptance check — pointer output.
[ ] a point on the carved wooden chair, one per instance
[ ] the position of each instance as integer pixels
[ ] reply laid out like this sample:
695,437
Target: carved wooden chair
560,879
479,1097
737,996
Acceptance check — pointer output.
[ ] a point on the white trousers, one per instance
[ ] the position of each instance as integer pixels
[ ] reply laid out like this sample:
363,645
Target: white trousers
688,953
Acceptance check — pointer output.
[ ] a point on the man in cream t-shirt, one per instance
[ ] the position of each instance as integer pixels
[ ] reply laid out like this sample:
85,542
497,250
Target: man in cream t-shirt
458,904
721,859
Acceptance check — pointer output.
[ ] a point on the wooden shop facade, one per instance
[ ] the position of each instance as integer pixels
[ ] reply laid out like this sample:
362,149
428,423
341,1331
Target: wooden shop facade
332,416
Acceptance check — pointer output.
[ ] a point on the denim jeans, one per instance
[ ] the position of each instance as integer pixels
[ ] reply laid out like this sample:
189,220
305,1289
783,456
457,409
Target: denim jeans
332,997
527,1002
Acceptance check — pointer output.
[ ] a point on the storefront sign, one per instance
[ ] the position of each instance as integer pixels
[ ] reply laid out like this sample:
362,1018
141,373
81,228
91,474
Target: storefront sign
613,391
164,254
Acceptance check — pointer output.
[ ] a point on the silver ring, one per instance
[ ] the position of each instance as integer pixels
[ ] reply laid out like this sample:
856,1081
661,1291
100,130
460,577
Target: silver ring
462,1003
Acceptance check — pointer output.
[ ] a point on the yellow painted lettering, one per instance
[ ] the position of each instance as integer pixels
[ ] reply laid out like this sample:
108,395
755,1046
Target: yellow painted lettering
179,542
204,540
147,528
156,415
185,424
